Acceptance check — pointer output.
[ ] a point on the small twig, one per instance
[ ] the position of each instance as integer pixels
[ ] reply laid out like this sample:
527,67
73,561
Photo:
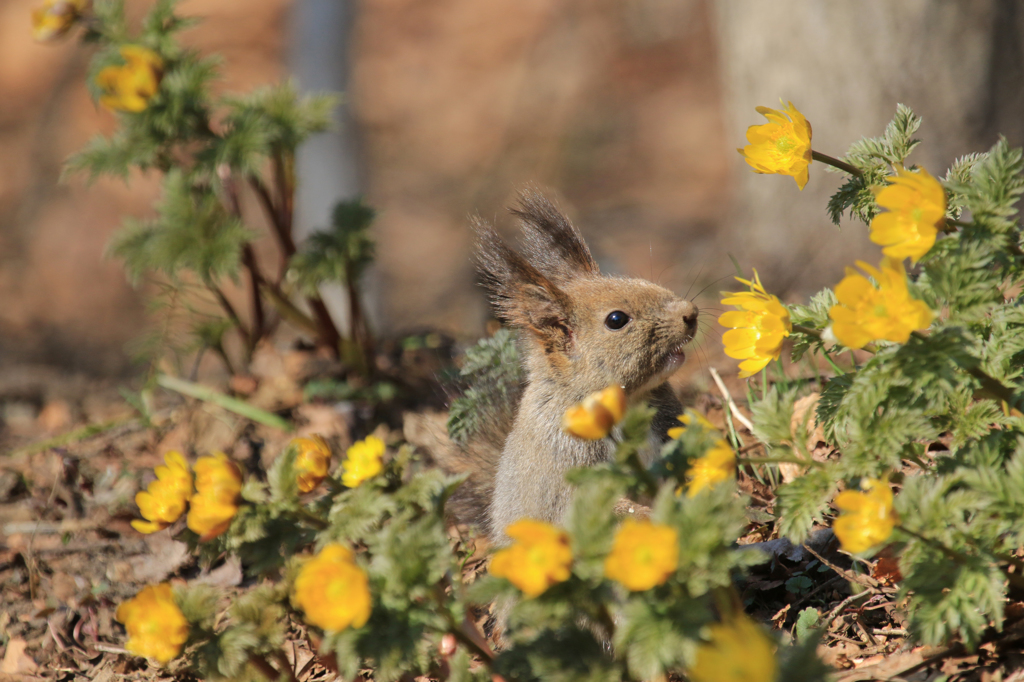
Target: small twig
834,613
865,581
728,398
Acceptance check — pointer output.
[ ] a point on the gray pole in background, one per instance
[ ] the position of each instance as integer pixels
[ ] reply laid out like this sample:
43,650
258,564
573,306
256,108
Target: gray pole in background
328,165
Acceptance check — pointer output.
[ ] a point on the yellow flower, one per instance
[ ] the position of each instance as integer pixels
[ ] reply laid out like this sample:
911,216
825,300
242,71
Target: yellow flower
131,86
715,466
314,455
156,627
757,329
739,651
539,557
333,590
597,414
164,501
643,555
867,519
783,145
54,18
362,461
917,211
689,420
866,313
215,503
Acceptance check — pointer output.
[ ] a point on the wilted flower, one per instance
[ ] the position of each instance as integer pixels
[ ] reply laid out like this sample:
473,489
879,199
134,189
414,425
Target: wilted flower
215,503
156,627
362,461
868,313
130,87
164,501
757,329
643,555
917,211
597,414
739,651
539,557
867,518
54,18
333,590
314,455
783,145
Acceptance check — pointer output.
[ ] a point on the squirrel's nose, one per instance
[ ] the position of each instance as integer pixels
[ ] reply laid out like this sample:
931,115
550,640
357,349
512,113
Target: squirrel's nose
686,310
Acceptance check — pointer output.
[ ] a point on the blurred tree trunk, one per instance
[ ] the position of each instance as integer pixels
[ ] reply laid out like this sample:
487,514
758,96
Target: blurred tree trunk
845,66
329,166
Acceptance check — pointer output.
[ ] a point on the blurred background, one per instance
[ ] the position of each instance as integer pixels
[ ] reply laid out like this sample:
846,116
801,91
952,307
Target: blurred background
627,112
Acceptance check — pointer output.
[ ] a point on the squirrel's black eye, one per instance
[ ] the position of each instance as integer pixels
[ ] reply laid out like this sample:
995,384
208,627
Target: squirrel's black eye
616,320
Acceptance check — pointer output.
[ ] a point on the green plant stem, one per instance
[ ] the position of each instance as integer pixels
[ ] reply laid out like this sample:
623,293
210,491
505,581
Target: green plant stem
809,331
780,460
287,309
311,518
209,395
989,383
836,163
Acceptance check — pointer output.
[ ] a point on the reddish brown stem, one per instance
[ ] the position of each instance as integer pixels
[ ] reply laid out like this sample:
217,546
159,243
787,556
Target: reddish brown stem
258,317
230,310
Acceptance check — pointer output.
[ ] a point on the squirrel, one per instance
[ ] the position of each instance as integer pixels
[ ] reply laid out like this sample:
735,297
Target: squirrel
579,332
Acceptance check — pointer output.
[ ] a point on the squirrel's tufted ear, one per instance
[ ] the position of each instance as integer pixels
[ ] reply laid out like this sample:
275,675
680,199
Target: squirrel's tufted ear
553,244
522,296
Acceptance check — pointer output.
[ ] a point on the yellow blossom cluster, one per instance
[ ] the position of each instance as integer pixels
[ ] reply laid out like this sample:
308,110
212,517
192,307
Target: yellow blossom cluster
130,86
333,590
781,146
218,485
166,498
916,204
363,461
311,461
870,312
757,329
867,518
54,18
539,557
643,555
738,650
717,464
156,627
594,418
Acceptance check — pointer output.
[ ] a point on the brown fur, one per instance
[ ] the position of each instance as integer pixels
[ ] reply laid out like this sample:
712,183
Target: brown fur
556,296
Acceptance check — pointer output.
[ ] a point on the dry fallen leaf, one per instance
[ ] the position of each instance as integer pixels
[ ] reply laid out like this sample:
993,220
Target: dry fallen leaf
15,658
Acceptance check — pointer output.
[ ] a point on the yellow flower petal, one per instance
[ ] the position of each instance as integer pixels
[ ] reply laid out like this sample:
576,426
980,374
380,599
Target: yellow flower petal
539,557
130,87
757,330
739,651
156,627
867,518
311,461
596,415
782,146
333,591
363,461
643,555
218,486
869,312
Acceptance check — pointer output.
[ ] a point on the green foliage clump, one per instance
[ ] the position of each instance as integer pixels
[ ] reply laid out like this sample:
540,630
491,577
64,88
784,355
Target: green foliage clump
957,531
215,154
